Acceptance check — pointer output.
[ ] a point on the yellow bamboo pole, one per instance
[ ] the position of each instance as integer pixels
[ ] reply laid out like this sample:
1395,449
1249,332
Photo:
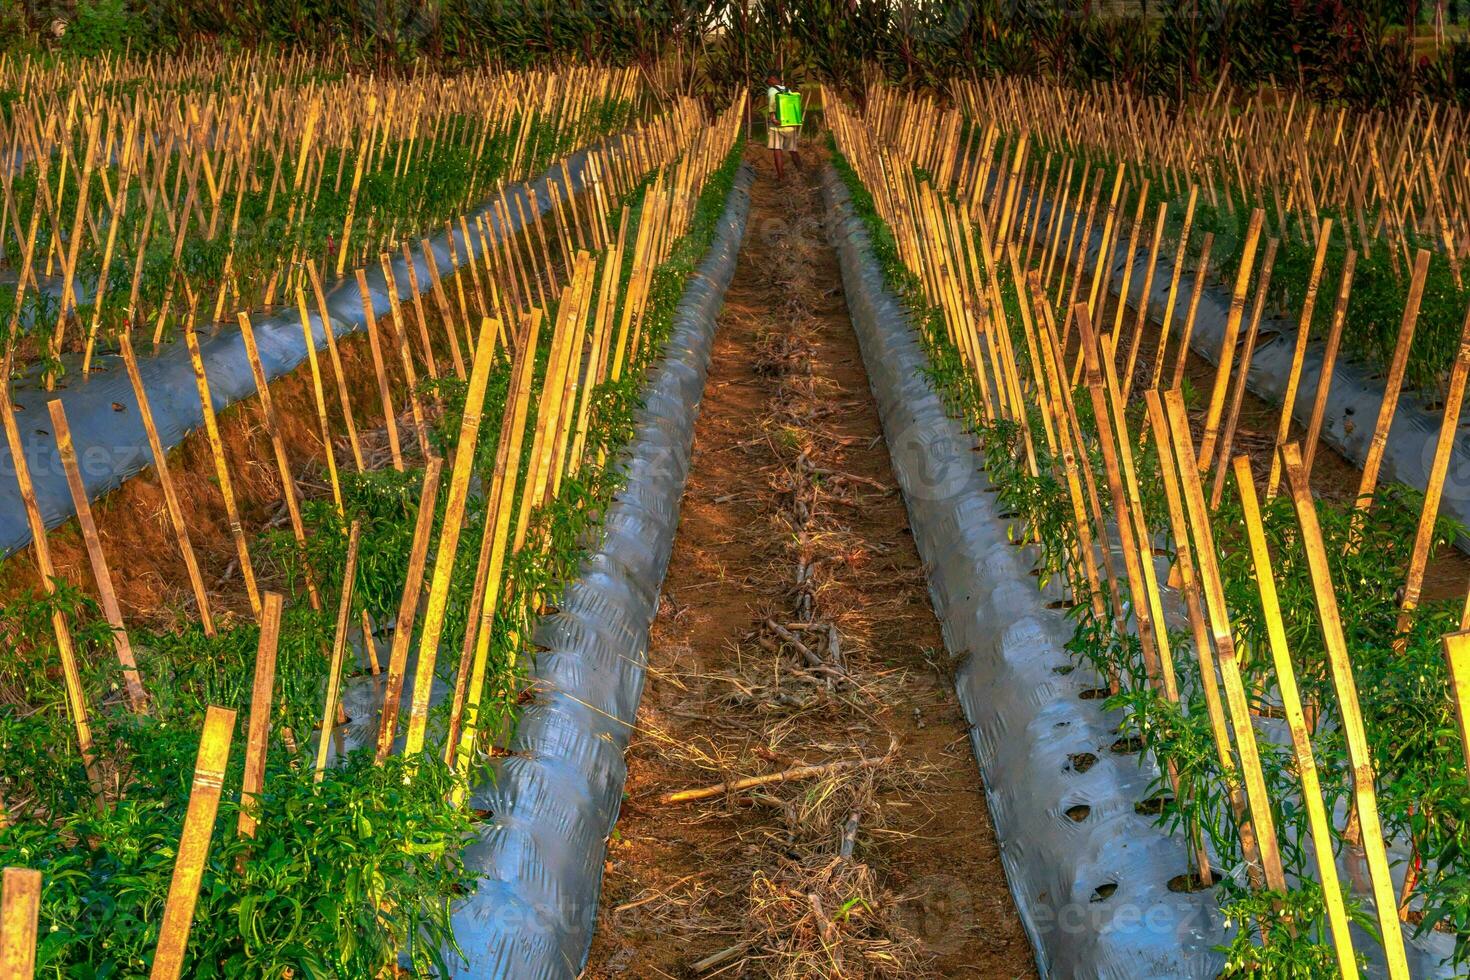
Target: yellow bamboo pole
339,648
459,485
1318,820
222,470
408,607
1360,756
278,446
194,840
165,481
20,907
261,698
133,684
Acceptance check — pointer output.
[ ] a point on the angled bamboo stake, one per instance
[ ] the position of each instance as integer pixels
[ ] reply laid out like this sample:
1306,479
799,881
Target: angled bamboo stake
165,480
1360,756
408,607
500,508
1127,532
1167,321
222,470
261,697
1143,297
441,300
194,840
1457,659
1391,387
319,393
1258,838
410,377
340,375
1318,820
1228,342
1329,360
390,415
1201,272
418,310
20,907
1242,377
1444,448
1303,334
339,648
454,511
278,446
133,684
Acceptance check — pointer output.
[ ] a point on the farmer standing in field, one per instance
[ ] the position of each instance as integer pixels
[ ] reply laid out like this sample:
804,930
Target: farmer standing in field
783,121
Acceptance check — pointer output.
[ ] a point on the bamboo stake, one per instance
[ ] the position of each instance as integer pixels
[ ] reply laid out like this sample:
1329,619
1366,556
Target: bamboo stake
1228,342
1298,356
1247,354
1392,386
165,481
100,573
340,375
278,446
1318,820
390,420
339,647
499,510
20,907
319,394
454,511
1444,448
408,607
194,840
222,470
1359,755
261,698
1329,360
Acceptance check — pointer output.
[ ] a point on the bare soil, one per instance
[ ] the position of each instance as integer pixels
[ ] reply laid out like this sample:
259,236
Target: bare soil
132,521
792,515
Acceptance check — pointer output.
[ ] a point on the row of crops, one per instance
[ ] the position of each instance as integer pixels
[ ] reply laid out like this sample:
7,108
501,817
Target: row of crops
183,791
1275,653
139,197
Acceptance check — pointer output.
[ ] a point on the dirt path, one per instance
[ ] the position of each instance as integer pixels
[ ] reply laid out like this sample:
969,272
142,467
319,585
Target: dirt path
792,516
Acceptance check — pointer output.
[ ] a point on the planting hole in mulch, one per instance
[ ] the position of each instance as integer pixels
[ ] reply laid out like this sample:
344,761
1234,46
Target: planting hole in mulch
1128,745
1078,812
1064,669
1082,761
1094,694
1104,891
1153,806
1192,882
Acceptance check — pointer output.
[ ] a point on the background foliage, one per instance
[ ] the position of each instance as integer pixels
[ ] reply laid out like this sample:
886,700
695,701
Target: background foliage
1356,51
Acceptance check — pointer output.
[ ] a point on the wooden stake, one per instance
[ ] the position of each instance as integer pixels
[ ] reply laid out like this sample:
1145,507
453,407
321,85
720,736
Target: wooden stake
408,607
261,699
165,481
20,907
459,488
339,648
1359,754
1318,819
194,840
100,573
222,470
289,492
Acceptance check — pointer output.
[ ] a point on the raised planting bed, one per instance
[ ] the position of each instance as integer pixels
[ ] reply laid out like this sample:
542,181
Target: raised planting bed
1298,692
1089,867
315,843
